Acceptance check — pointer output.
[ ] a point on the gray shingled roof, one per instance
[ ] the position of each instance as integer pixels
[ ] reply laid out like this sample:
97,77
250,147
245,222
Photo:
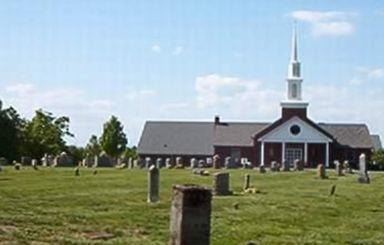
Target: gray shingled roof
199,138
376,142
172,138
352,135
236,134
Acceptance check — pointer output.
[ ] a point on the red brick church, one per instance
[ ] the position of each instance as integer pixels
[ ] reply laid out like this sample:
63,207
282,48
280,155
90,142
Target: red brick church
292,136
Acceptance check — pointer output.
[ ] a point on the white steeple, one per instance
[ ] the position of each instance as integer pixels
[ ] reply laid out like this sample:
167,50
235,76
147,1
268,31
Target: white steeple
294,79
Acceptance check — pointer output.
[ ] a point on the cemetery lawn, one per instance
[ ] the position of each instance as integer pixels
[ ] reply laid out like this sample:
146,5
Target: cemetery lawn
55,207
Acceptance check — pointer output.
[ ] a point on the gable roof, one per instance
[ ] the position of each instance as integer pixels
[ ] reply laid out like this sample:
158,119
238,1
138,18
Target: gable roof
236,134
376,142
352,135
172,138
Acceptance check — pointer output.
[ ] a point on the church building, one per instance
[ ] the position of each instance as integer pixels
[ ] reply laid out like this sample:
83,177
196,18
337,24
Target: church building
292,136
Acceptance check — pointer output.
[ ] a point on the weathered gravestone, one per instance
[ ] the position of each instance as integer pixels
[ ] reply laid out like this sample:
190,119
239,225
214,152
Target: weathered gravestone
44,160
201,164
286,166
247,181
169,163
179,162
77,171
338,168
34,164
221,184
159,163
216,162
209,161
153,184
321,172
229,162
16,165
194,163
298,165
148,162
363,173
262,169
275,166
190,215
25,161
347,167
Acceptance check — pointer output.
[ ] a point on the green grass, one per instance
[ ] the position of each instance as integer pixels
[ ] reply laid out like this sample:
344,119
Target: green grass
54,206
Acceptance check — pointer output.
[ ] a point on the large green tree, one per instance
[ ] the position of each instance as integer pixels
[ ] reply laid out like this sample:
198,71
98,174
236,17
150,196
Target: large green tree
10,133
113,140
93,147
45,134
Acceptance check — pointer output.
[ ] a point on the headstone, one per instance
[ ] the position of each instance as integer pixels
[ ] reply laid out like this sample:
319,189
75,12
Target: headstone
190,215
3,161
321,172
216,162
16,165
247,181
136,163
363,173
286,166
169,163
209,162
50,160
298,165
262,169
34,164
96,162
229,162
159,163
347,167
194,163
153,184
77,171
148,162
130,163
221,184
179,162
26,161
275,166
44,160
201,164
338,168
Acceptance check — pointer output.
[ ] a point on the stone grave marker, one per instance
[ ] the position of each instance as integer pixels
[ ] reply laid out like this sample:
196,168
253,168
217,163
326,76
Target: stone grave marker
169,163
221,184
194,163
338,168
247,181
3,161
262,169
286,166
190,215
363,173
321,172
275,167
153,184
26,161
216,162
159,162
298,165
179,162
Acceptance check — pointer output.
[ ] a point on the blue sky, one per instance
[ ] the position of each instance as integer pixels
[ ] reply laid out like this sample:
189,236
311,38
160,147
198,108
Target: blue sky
189,60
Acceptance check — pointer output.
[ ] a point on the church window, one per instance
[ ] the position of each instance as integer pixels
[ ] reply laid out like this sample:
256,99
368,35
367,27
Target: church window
294,90
295,129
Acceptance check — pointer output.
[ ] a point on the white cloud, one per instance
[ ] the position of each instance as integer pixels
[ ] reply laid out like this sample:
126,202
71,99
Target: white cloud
329,23
156,48
365,75
178,50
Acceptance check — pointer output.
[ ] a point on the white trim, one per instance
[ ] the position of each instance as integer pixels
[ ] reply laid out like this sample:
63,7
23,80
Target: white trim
305,152
327,155
283,152
294,104
262,154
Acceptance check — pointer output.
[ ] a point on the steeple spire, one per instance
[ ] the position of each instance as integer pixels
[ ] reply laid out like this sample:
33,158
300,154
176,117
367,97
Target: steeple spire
294,44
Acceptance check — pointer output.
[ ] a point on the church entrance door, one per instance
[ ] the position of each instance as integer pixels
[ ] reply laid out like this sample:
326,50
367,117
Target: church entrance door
291,154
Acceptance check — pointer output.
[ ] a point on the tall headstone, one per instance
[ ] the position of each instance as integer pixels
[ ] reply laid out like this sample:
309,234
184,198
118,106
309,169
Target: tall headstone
169,163
247,181
363,173
321,172
159,162
275,166
216,162
286,166
148,162
221,184
190,215
194,163
338,168
179,162
153,184
298,165
44,160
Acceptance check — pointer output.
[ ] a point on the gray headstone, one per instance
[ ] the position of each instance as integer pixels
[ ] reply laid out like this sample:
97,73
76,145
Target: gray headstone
201,164
209,161
298,165
321,172
153,184
148,162
275,166
262,169
347,167
159,163
286,166
179,161
194,163
190,215
247,181
169,163
216,162
3,161
363,173
338,168
221,184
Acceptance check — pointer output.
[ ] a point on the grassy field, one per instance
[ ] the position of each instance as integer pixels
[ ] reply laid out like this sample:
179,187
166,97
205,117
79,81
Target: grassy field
54,206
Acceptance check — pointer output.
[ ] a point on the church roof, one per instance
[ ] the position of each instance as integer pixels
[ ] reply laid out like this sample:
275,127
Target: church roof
199,138
376,142
352,135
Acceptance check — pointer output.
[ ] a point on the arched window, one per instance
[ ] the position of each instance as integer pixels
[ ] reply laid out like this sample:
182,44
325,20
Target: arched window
294,90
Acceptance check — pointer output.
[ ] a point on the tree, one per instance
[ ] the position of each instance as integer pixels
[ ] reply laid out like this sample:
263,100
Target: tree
10,133
113,140
93,147
45,134
378,158
130,153
78,153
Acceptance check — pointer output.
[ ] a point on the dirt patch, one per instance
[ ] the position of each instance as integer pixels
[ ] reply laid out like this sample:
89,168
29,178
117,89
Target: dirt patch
7,229
99,235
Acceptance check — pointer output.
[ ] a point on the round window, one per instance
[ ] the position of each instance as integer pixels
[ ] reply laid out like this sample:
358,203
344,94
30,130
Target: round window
295,129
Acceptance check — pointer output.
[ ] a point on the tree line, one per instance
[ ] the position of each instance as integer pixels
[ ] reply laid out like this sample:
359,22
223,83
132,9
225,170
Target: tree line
45,134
